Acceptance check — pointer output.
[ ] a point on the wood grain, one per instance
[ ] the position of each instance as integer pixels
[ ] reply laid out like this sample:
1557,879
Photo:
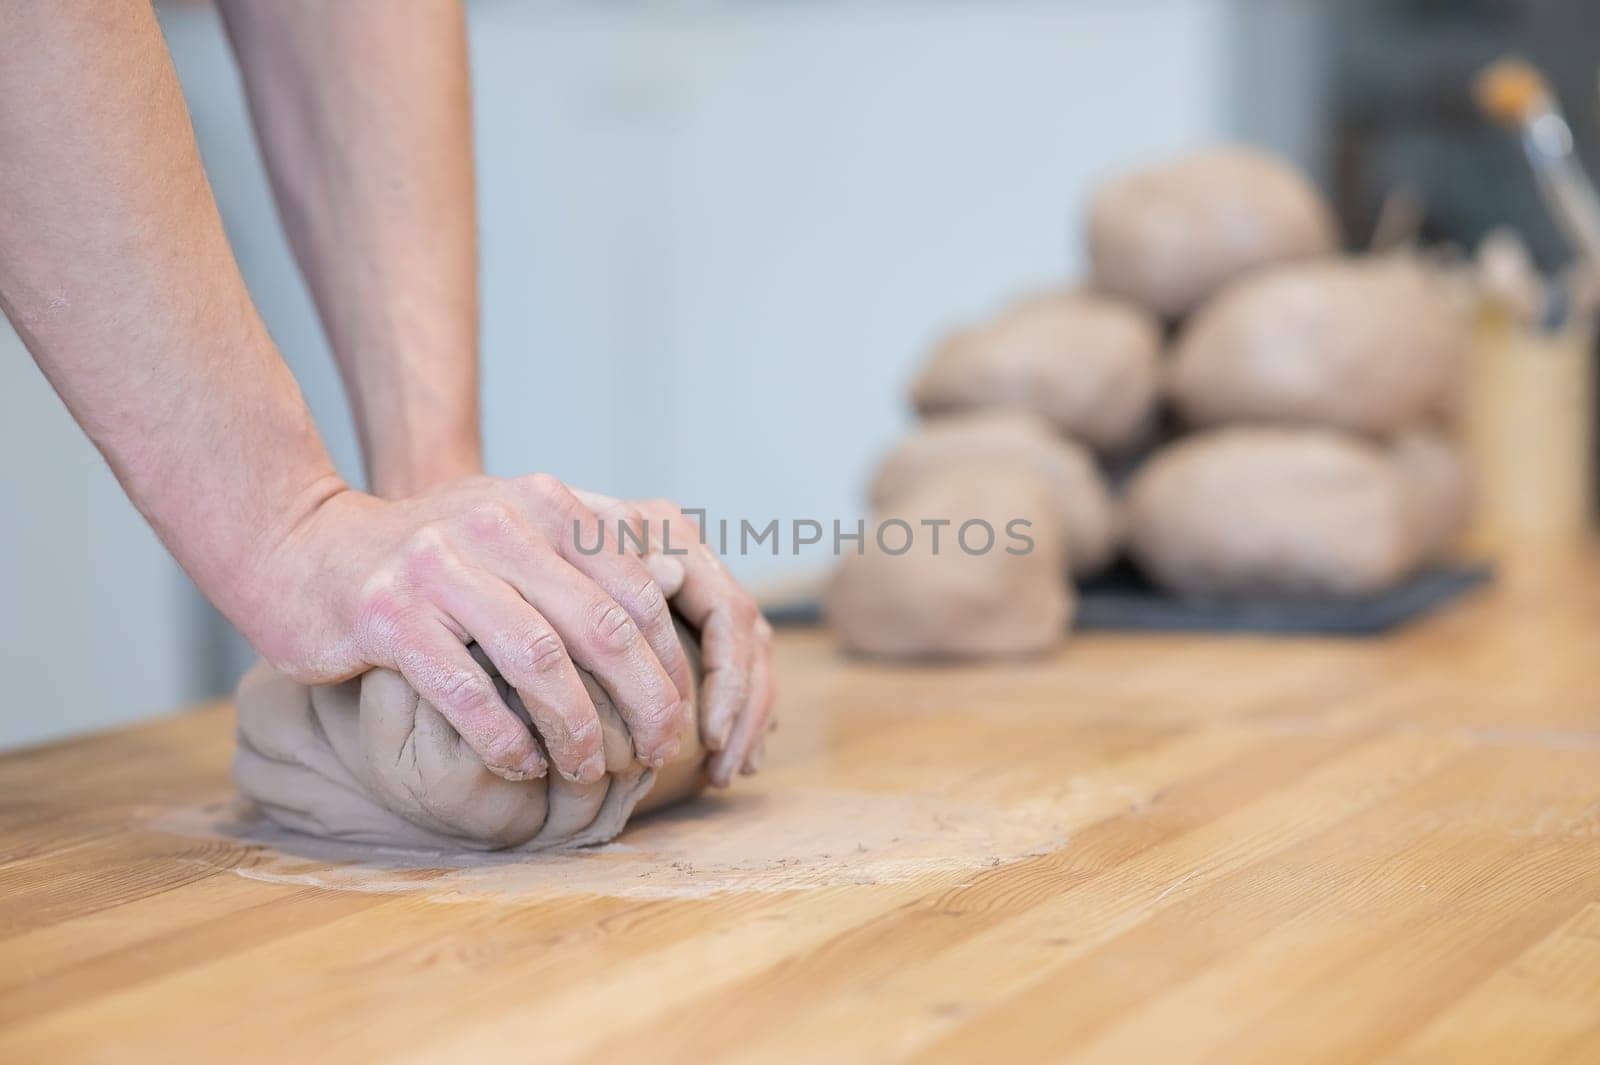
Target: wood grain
1143,848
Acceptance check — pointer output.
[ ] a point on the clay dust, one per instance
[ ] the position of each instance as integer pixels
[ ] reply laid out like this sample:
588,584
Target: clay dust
765,838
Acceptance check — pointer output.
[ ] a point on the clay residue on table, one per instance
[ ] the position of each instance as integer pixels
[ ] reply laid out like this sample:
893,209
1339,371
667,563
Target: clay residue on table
758,839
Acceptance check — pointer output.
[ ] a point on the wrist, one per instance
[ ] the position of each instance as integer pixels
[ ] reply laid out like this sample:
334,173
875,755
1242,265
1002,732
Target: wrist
281,595
418,469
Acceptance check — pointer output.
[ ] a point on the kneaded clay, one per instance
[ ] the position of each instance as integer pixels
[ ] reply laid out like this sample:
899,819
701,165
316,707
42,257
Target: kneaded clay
1169,236
1247,511
1087,364
998,441
369,761
956,604
1368,345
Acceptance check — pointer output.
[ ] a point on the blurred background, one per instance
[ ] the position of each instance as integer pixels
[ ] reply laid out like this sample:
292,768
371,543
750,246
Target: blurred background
717,237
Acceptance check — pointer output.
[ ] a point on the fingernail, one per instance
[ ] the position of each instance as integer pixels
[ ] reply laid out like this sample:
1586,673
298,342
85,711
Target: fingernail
592,769
754,760
665,753
529,768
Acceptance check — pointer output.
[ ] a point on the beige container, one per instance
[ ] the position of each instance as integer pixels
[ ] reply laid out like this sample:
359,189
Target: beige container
1530,432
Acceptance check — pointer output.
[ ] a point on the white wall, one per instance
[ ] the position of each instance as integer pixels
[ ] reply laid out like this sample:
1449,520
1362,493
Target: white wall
732,234
717,238
95,617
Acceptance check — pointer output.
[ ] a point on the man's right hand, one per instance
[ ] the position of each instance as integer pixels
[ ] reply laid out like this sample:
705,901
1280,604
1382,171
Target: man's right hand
357,582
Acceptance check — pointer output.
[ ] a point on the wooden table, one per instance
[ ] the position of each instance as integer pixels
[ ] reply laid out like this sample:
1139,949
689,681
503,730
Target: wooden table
1163,848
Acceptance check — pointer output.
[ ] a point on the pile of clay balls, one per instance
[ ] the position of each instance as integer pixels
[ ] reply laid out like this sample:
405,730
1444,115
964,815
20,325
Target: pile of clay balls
1276,412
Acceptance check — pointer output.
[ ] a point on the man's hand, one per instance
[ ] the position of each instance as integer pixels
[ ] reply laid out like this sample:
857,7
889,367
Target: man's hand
391,264
115,269
735,640
356,582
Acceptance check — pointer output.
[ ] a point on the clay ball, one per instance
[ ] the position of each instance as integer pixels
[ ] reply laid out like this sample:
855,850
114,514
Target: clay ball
1242,512
928,602
1438,487
370,761
998,441
1368,345
1169,236
1087,364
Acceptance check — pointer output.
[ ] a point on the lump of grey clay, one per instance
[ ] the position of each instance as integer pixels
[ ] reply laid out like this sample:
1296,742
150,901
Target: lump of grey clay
369,761
1169,236
957,602
998,441
1087,364
1268,511
1438,487
1369,345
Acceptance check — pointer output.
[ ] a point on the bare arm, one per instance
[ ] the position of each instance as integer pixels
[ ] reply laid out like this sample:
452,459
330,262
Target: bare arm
115,270
364,114
363,111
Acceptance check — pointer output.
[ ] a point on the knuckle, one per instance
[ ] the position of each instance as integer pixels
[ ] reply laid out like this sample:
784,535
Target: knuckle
653,606
538,652
426,551
467,695
610,629
583,729
658,714
639,591
488,521
547,490
382,615
541,483
505,745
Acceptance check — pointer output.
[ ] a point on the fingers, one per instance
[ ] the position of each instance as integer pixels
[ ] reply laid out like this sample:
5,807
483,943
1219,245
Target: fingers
595,629
747,746
525,572
665,568
532,658
728,620
726,653
437,664
767,702
602,637
615,566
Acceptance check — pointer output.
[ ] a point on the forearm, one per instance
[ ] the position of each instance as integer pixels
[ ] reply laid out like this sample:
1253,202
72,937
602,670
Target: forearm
115,271
363,110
